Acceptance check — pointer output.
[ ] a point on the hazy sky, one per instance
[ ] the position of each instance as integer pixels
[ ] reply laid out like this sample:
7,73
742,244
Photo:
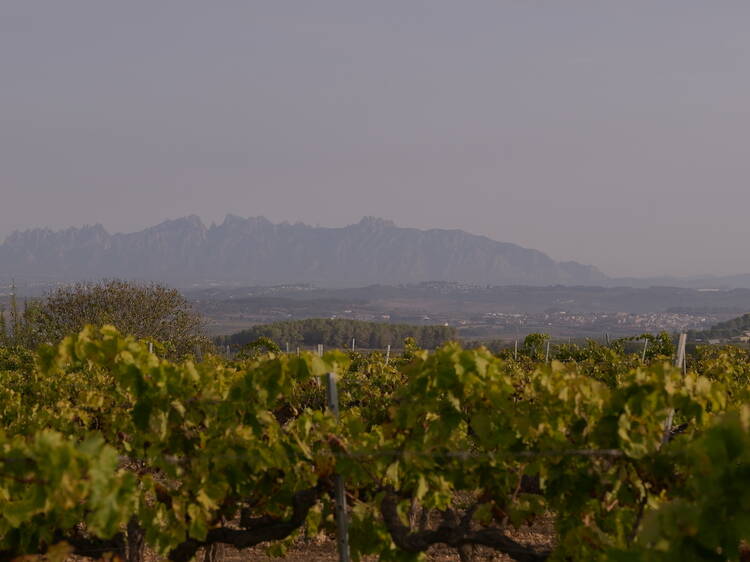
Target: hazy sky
612,133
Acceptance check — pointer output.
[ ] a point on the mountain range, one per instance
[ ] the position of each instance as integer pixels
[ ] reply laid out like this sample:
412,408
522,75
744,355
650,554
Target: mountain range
254,251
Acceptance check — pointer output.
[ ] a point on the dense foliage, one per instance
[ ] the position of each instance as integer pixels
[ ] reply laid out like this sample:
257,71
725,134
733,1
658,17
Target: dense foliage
106,447
149,311
727,330
340,332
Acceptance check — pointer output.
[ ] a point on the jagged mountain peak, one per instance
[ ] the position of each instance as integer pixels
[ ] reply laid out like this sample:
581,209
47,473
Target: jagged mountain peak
189,222
44,234
235,221
375,222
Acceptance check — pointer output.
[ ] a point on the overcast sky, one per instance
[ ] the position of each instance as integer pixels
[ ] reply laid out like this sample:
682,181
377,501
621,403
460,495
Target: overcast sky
611,133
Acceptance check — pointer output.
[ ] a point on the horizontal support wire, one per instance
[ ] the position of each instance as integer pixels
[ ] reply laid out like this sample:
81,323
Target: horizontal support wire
616,453
478,455
586,453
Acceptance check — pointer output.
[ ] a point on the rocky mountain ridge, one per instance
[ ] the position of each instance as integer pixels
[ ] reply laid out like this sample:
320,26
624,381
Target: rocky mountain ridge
255,251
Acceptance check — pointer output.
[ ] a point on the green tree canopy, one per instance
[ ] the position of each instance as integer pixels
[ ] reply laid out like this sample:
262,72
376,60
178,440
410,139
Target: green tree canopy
340,332
146,311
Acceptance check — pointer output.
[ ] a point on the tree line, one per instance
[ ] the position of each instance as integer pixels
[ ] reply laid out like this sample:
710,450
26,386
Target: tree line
724,330
340,332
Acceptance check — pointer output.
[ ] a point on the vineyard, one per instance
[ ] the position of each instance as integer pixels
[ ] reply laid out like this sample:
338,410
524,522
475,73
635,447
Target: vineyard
107,449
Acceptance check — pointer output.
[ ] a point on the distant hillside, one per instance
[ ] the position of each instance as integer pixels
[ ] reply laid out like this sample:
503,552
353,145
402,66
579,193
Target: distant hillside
731,329
705,282
255,251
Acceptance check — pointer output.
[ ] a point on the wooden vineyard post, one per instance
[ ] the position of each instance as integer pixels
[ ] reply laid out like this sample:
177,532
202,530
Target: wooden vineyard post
388,354
515,351
643,355
681,345
546,355
320,350
342,522
678,362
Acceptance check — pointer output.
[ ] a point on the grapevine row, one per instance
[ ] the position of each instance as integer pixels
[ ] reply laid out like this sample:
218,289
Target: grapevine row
105,447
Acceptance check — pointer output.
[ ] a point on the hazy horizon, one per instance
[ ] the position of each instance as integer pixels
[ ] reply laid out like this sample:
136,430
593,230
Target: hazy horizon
614,135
